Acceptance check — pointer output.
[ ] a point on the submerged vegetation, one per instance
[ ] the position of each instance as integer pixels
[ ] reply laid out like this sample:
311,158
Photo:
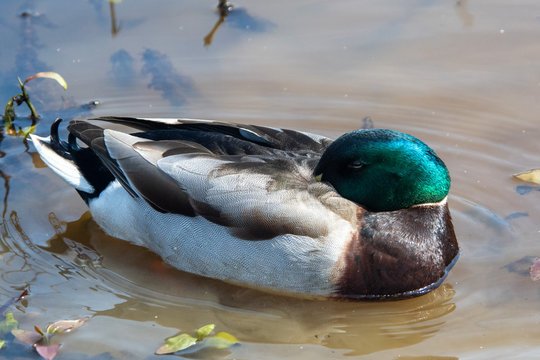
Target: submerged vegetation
40,340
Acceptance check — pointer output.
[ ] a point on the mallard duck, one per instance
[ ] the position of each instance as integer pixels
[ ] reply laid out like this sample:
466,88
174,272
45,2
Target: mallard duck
364,216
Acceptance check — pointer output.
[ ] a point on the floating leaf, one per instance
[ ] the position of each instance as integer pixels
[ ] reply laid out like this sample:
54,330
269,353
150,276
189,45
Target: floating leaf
8,324
2,342
530,176
26,337
205,331
49,75
221,340
176,343
48,352
66,325
535,270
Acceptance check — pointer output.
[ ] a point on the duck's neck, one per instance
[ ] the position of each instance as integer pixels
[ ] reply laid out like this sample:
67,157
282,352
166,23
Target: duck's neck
400,252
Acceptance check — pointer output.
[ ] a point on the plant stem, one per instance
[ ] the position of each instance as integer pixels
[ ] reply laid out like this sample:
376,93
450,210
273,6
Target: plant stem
26,98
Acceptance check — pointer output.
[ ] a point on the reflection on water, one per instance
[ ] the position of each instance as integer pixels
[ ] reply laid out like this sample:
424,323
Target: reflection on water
181,298
115,27
14,254
462,9
442,71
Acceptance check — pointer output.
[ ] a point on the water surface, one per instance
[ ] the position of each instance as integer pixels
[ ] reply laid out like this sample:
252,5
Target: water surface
462,76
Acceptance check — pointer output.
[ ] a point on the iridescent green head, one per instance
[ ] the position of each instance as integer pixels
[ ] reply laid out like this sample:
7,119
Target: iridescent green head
384,170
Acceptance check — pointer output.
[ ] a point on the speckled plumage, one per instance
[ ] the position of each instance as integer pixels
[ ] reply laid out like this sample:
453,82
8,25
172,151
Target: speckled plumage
241,203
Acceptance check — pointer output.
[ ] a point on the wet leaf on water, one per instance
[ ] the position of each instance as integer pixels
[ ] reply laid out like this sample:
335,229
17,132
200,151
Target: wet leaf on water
535,270
49,75
48,352
221,340
26,337
530,176
8,324
176,343
205,331
2,342
62,326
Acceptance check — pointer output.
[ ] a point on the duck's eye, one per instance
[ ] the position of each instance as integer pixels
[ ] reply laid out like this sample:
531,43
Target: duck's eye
355,165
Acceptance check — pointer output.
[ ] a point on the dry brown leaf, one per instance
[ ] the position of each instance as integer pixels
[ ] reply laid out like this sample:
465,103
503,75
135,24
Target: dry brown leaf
62,326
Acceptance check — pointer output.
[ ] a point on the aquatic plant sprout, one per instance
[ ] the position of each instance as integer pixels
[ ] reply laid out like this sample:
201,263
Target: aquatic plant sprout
9,113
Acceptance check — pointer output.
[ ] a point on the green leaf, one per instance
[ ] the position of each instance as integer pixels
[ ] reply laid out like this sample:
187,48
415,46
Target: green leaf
176,343
49,75
2,342
9,324
205,331
530,176
26,131
221,340
9,113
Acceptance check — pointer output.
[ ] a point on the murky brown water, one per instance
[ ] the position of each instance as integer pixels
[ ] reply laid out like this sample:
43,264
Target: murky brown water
463,76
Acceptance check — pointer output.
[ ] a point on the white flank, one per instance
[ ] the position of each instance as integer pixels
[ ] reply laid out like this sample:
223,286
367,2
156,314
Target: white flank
298,264
65,168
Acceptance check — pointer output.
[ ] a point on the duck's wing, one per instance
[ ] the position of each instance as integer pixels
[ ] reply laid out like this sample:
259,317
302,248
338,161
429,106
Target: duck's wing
270,137
256,191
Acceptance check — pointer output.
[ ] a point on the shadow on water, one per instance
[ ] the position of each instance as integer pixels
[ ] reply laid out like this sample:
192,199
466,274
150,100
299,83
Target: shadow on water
27,61
174,87
46,95
123,68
